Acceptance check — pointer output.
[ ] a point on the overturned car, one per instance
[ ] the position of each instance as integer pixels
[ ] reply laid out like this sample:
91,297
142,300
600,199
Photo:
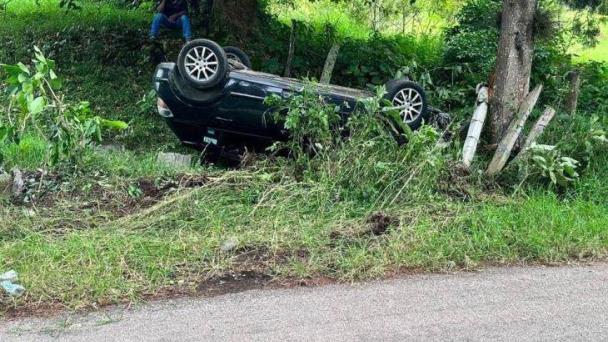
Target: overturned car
212,97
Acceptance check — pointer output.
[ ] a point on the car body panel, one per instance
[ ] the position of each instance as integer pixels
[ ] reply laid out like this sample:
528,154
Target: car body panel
237,107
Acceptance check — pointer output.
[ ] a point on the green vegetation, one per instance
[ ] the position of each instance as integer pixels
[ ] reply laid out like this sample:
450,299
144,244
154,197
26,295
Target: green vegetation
600,51
84,264
115,224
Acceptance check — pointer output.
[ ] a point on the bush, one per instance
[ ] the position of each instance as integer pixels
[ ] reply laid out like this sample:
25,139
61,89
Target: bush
35,107
362,160
473,40
360,63
594,87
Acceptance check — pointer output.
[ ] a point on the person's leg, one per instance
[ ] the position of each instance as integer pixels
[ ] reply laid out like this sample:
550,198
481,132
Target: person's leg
184,21
158,21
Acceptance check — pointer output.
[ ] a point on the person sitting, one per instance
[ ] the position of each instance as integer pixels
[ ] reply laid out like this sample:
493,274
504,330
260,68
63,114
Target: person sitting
171,14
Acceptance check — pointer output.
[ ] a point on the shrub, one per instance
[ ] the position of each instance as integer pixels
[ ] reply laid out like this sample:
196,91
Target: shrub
474,40
363,160
35,107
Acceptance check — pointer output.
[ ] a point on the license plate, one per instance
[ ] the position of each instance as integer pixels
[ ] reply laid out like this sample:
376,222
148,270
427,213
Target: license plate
210,140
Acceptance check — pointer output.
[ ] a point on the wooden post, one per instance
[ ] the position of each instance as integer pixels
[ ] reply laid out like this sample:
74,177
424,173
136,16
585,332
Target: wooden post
330,62
575,84
539,127
503,151
475,127
292,46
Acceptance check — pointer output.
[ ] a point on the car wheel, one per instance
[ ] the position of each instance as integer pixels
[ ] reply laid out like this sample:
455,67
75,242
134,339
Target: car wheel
236,54
202,63
187,91
411,100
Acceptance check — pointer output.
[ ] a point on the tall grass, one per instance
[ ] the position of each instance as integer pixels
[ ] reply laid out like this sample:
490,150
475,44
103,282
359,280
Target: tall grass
29,153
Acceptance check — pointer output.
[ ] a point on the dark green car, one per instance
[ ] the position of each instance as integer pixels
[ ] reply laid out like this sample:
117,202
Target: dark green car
212,97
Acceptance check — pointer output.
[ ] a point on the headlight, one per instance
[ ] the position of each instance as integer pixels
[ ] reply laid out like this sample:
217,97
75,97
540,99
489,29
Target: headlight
163,110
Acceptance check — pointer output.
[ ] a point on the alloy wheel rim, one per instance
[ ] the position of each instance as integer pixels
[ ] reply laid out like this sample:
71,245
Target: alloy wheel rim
201,63
411,101
233,57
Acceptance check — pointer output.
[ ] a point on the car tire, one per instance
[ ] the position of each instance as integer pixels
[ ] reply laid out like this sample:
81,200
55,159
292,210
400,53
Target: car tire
232,52
185,90
401,92
202,63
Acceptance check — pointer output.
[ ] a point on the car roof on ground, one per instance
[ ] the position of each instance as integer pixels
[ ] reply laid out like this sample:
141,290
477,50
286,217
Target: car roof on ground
297,85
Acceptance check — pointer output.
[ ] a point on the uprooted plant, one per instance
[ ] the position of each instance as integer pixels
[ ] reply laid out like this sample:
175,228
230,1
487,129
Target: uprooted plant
35,107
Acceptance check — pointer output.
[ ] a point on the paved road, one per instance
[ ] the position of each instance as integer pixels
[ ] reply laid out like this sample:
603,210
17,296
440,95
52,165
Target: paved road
509,304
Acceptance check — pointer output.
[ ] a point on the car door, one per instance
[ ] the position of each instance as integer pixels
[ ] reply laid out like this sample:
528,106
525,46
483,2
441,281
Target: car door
244,109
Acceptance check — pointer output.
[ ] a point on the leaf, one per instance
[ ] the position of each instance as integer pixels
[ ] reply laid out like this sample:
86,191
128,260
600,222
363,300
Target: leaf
56,83
12,70
37,105
266,177
114,124
553,177
541,161
570,161
540,147
569,170
24,68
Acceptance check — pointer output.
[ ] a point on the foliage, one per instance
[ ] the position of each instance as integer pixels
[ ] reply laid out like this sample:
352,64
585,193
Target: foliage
470,49
572,155
600,6
34,107
361,18
477,15
367,148
310,120
590,140
560,170
594,87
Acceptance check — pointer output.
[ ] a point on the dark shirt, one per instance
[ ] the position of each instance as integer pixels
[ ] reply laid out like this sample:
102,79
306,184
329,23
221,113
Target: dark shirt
174,6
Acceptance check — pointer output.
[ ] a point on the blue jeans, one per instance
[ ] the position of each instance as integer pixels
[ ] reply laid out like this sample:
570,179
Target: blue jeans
161,20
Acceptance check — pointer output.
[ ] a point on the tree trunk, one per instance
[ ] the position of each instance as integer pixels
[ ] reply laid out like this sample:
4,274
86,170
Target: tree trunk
330,62
513,63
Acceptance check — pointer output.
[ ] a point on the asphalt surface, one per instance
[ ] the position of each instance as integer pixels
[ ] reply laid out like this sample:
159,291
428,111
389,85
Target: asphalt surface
509,304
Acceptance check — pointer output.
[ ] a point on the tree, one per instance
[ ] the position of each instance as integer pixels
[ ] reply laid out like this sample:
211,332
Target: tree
522,21
513,63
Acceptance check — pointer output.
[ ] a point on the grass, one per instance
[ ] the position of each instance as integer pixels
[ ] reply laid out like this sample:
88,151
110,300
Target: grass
600,51
113,74
87,240
104,261
28,154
